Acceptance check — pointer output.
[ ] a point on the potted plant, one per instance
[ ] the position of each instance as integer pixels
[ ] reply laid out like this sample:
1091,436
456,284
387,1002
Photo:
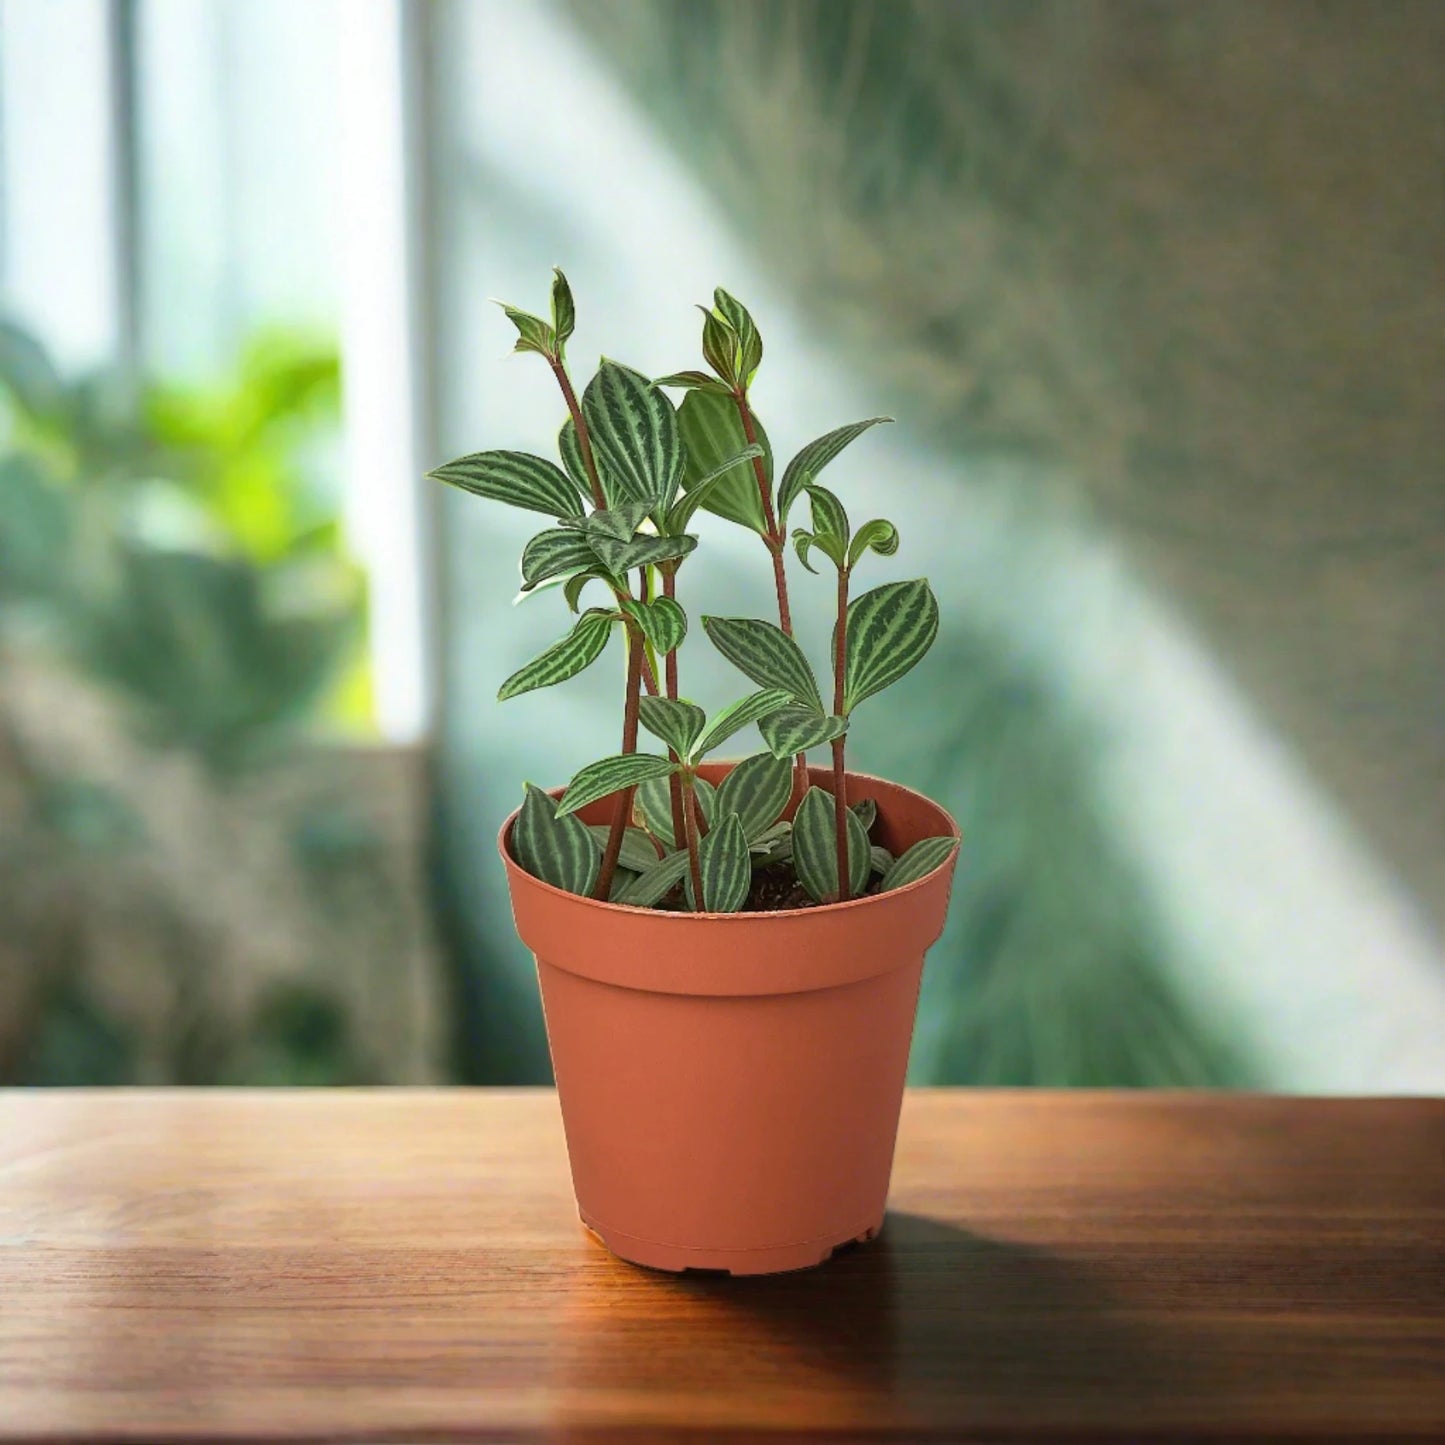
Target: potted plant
729,955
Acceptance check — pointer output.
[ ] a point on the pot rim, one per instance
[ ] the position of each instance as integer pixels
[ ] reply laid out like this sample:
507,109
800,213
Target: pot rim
818,910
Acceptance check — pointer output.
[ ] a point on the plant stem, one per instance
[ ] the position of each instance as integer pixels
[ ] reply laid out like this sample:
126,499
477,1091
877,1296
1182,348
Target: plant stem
584,437
690,821
669,667
629,745
840,776
777,545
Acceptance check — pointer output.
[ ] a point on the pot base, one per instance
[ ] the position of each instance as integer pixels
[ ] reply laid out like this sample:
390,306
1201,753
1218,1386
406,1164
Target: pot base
674,1258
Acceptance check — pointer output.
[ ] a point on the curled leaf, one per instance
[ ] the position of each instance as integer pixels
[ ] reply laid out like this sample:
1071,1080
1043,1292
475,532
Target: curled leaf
553,553
880,536
533,334
564,312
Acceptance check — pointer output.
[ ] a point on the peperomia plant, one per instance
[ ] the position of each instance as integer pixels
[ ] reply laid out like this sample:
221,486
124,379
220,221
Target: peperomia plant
635,472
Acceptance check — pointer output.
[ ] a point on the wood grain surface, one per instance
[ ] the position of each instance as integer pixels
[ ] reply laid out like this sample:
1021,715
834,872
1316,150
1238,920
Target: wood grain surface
378,1266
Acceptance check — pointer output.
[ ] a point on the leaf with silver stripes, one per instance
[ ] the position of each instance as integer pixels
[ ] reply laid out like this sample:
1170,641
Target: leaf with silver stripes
641,551
638,852
517,478
879,535
611,775
554,553
679,724
923,858
654,798
558,850
578,650
712,431
663,622
830,518
757,791
765,653
737,715
656,883
815,848
633,425
889,631
697,491
750,341
882,859
619,522
725,865
793,730
564,311
867,811
814,457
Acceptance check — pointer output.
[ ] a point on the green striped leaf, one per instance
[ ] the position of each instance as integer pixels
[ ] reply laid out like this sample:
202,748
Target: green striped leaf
558,850
611,775
889,631
750,342
691,381
638,853
719,346
564,312
811,460
654,798
881,859
553,553
880,535
517,478
765,653
825,542
679,724
533,334
712,431
757,791
867,811
578,650
815,848
919,861
663,622
572,588
619,523
641,551
829,517
776,844
634,428
656,883
737,715
571,453
794,729
725,866
697,492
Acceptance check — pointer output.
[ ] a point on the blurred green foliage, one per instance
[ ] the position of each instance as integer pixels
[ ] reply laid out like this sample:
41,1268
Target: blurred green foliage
174,546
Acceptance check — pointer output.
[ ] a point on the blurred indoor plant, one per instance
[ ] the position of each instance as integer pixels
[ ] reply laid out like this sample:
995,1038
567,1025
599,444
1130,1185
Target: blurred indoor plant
174,611
729,962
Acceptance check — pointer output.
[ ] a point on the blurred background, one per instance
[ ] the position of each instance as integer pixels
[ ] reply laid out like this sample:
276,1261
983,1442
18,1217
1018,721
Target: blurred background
1155,293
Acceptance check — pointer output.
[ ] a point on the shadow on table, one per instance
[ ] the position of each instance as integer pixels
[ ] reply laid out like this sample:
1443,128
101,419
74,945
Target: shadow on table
933,1322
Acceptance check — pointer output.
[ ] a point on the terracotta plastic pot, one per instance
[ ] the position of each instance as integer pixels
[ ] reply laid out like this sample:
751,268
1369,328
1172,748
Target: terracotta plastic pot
730,1083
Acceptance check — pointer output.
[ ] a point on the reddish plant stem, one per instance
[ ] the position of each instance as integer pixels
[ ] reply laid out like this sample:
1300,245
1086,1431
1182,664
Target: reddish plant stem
584,437
777,545
669,668
840,775
690,818
623,810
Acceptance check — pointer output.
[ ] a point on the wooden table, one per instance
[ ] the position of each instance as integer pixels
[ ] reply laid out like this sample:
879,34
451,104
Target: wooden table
408,1265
